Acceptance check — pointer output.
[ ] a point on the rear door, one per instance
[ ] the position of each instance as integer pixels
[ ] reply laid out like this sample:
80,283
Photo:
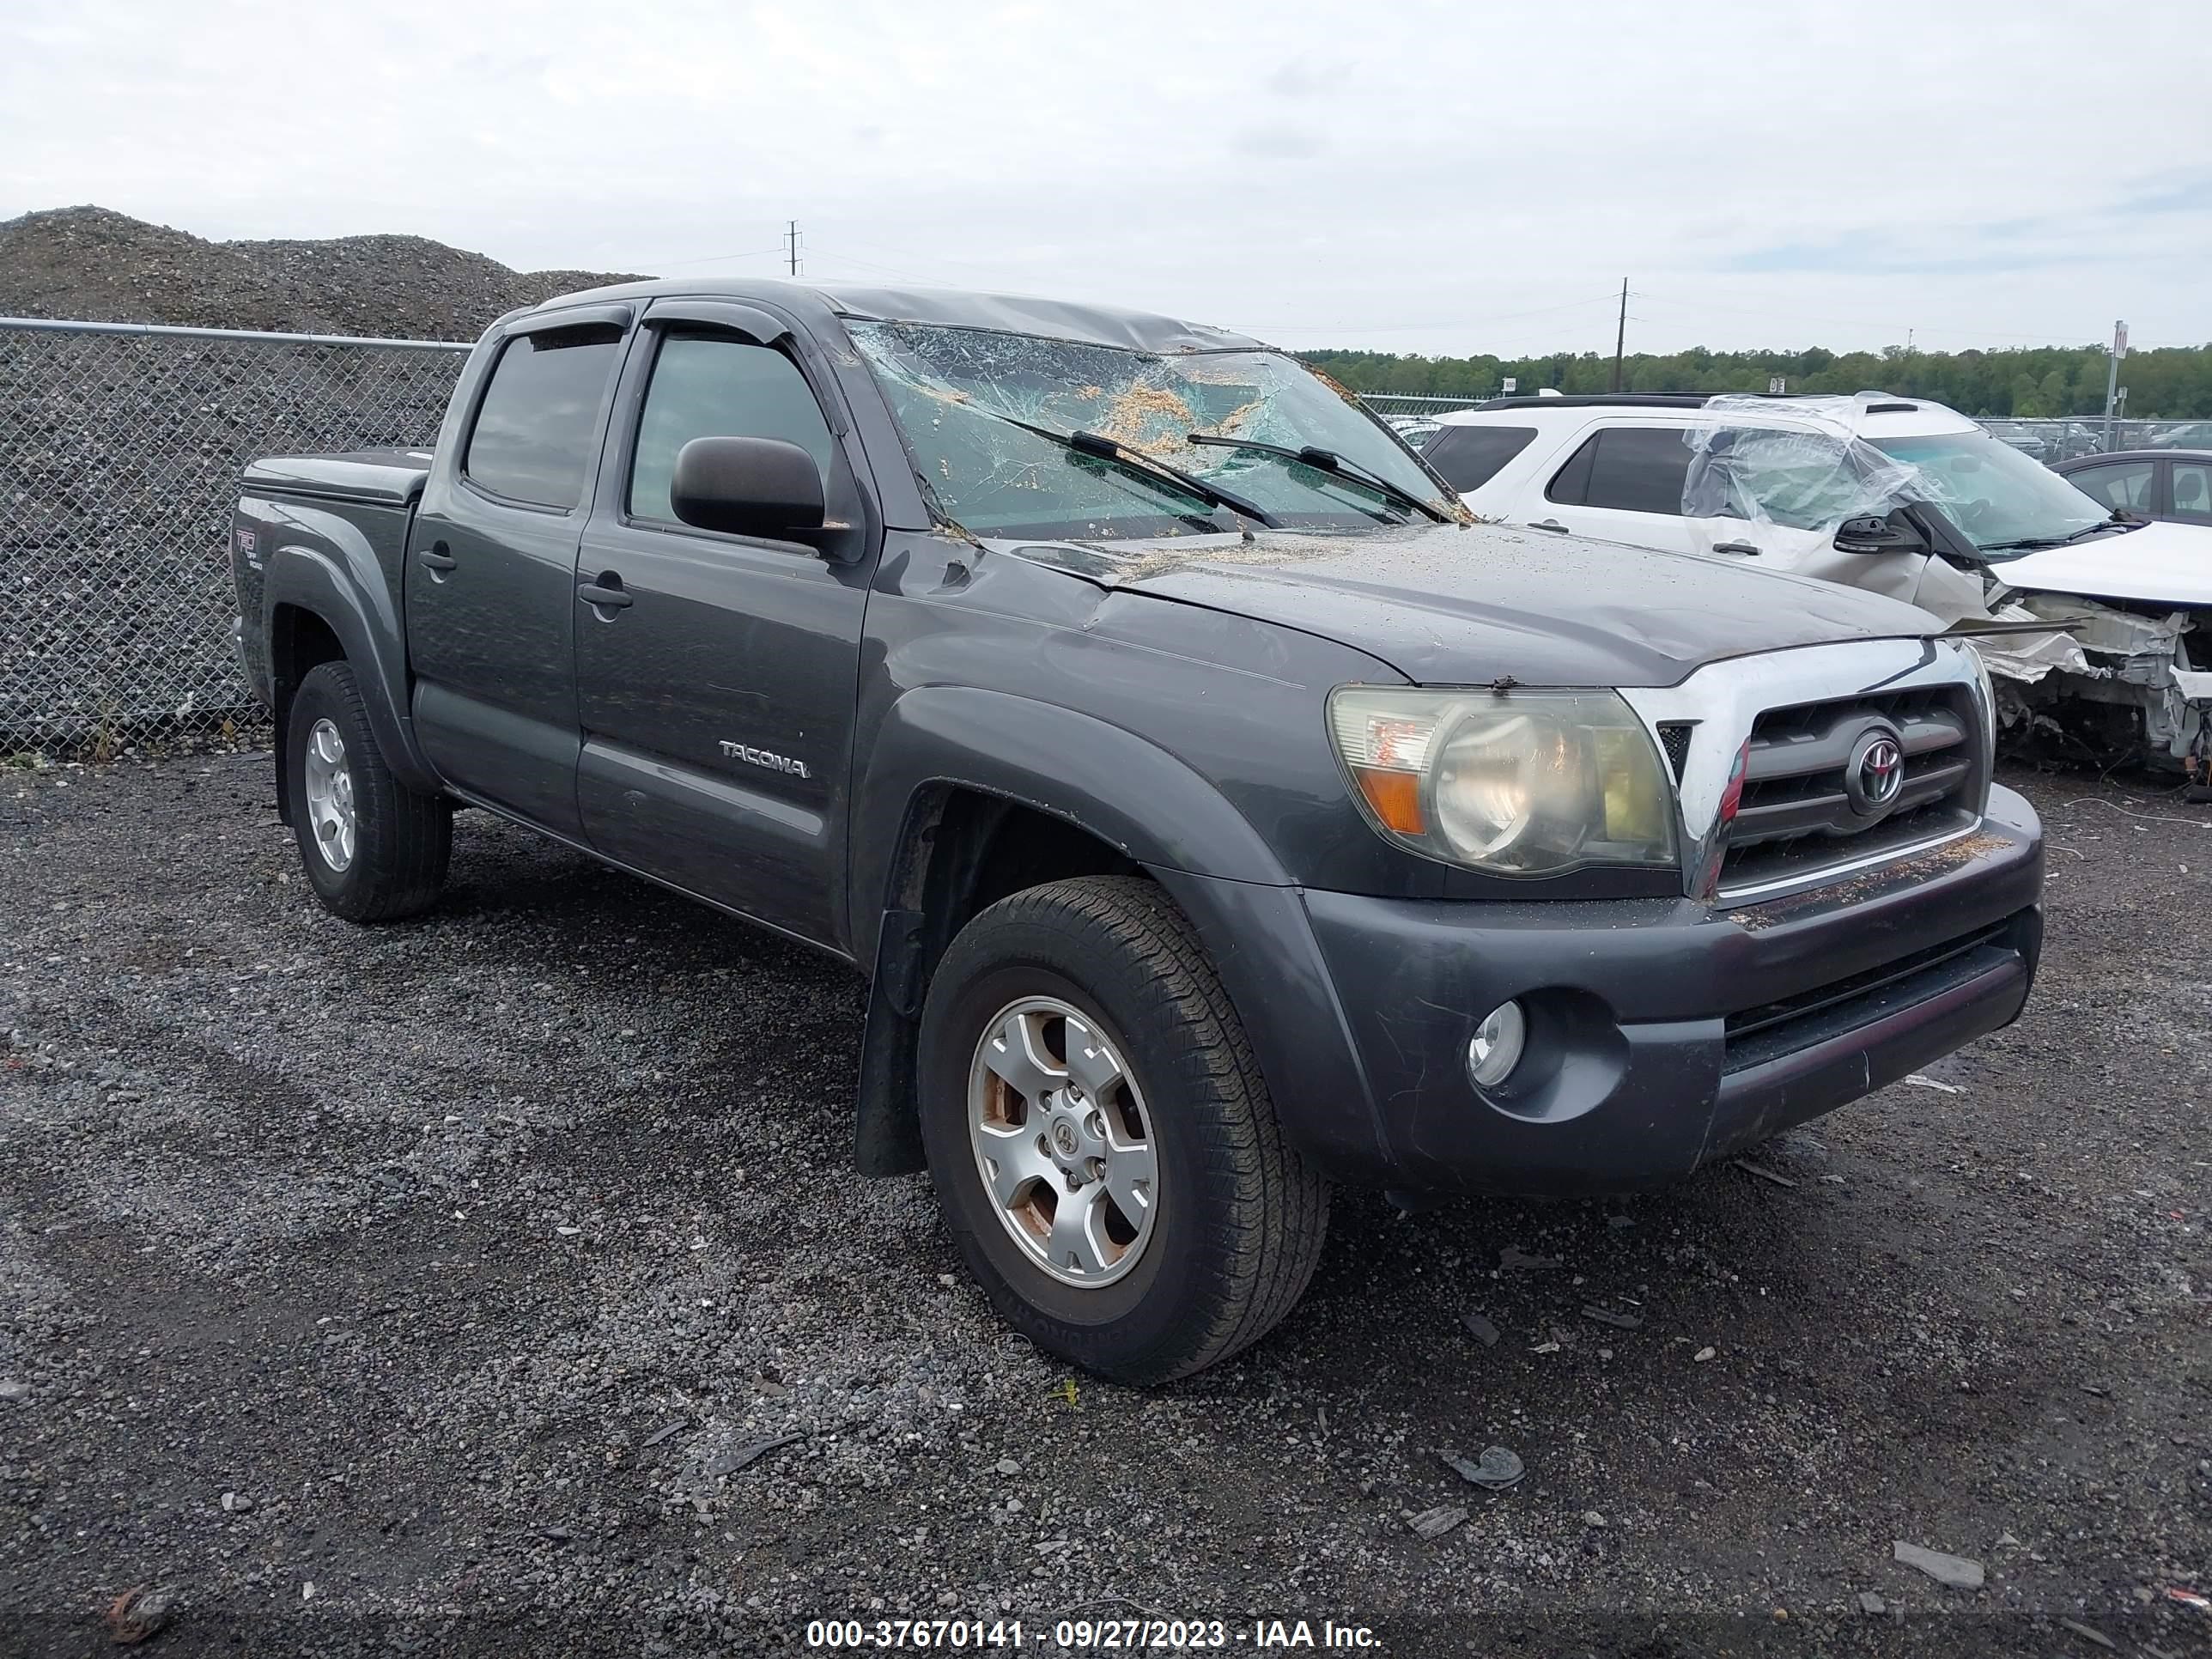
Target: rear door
1622,482
490,578
717,696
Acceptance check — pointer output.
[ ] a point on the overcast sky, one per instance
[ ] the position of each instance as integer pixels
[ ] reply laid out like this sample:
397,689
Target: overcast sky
1470,176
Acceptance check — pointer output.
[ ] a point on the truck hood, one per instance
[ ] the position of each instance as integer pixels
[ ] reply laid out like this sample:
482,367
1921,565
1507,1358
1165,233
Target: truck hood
1459,604
2158,564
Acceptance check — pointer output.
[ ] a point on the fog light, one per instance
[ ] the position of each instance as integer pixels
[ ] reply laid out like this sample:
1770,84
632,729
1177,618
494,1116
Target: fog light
1495,1048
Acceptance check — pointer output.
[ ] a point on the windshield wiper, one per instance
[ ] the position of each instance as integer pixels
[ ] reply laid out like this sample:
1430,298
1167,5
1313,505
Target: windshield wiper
1145,466
2029,543
1328,460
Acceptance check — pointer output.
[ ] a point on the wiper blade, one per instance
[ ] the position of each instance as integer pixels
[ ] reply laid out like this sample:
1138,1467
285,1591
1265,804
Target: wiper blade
2029,543
1145,466
1328,460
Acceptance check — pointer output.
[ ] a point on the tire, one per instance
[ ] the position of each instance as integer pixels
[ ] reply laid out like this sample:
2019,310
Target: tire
400,841
1233,1219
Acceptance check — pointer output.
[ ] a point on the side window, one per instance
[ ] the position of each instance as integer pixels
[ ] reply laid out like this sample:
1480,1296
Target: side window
537,430
1638,469
1799,480
1570,484
2119,484
2192,491
709,385
1469,457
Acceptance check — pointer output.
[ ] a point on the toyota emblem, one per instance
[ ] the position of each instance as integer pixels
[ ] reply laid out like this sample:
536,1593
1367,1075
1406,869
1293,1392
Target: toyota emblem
1875,775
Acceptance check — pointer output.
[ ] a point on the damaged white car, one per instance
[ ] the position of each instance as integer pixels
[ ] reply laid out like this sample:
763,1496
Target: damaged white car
1897,495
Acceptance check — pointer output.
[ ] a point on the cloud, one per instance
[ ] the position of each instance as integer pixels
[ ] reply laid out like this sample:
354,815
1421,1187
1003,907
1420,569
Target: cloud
1446,178
1285,141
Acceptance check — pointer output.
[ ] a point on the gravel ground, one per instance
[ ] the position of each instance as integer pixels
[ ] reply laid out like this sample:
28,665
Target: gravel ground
425,1290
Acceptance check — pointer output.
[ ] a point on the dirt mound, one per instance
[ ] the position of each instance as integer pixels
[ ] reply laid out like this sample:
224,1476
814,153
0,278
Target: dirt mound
93,262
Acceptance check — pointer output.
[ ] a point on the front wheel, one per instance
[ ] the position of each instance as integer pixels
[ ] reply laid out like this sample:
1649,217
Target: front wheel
1100,1136
373,849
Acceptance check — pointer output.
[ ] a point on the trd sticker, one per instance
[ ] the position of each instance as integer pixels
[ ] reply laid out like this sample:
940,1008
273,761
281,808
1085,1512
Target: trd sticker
246,541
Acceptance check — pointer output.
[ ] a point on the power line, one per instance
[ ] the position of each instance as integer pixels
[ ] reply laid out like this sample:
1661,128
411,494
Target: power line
711,259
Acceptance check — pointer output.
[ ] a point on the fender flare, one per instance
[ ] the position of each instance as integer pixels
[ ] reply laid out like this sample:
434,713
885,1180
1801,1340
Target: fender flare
1121,788
346,587
1149,805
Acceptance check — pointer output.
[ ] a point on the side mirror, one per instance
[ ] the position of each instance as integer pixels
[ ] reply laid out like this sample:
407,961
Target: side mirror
761,486
1895,534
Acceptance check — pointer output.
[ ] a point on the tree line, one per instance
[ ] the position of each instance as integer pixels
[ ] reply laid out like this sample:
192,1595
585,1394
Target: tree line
2171,383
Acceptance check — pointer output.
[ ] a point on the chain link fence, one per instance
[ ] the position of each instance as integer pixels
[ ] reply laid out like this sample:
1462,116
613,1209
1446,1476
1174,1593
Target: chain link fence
120,448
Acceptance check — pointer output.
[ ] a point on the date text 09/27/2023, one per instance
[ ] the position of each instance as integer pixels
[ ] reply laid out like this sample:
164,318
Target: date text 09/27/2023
1089,1635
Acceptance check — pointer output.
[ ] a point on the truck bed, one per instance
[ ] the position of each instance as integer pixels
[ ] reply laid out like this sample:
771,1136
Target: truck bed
374,477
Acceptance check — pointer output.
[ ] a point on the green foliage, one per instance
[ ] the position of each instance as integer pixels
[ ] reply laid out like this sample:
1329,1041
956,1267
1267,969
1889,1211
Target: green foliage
2173,383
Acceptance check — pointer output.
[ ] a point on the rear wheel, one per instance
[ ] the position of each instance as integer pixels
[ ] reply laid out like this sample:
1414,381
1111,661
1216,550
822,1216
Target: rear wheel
1100,1137
373,849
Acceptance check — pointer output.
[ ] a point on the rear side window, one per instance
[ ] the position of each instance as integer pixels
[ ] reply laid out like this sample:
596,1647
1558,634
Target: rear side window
713,386
1630,468
1469,457
2192,491
537,430
2119,484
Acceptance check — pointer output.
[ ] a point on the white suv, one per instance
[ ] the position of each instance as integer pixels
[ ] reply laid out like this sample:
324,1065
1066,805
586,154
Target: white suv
1896,495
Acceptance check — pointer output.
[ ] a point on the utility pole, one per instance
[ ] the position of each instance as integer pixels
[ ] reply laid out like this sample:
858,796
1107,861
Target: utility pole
2113,379
791,237
1620,334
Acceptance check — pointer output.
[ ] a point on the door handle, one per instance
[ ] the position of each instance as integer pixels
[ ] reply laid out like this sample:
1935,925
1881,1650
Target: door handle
605,594
1552,525
437,559
1745,548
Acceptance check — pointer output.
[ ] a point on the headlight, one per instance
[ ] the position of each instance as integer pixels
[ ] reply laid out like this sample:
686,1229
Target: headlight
1518,783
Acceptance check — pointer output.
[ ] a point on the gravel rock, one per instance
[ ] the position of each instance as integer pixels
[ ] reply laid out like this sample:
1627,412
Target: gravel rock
1956,1571
1435,1523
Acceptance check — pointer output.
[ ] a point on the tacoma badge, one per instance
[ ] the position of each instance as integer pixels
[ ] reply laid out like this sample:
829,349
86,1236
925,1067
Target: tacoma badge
752,757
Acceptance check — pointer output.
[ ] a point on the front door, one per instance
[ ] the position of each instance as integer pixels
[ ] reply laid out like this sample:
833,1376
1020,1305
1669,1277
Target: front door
490,577
715,673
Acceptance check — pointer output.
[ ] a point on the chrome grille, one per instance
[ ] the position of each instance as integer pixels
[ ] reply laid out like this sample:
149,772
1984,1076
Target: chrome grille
1801,812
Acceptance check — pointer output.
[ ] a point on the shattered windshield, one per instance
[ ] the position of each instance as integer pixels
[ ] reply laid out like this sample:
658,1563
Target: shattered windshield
965,397
1998,497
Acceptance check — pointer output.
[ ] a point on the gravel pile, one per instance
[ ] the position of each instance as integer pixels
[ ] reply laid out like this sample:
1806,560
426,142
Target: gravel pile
456,1288
96,264
120,456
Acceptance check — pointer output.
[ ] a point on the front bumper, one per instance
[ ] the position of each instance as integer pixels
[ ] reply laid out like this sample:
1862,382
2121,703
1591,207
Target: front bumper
1663,1034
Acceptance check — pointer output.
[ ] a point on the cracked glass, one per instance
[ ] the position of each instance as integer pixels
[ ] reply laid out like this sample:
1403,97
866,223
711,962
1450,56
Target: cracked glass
958,394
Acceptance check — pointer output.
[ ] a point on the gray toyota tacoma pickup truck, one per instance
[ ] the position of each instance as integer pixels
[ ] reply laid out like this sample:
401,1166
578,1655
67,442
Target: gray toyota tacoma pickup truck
1216,811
